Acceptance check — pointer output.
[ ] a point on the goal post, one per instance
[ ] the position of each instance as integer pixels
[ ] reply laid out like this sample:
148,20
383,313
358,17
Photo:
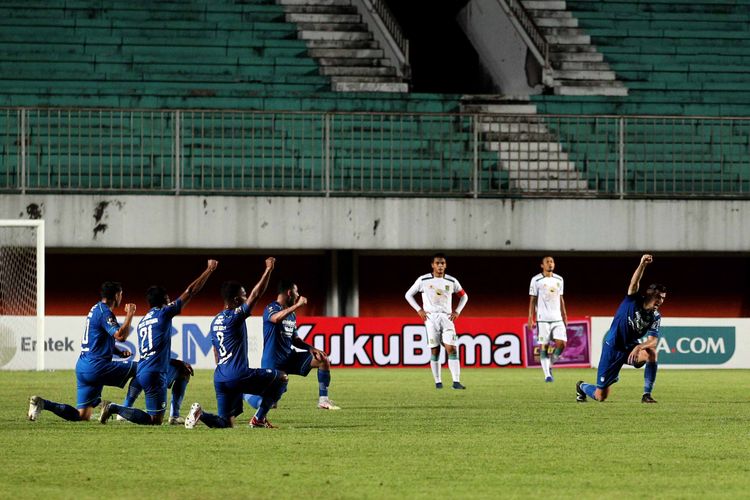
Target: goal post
22,294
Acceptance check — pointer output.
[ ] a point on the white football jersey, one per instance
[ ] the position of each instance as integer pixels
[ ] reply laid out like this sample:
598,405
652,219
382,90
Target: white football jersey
437,293
547,292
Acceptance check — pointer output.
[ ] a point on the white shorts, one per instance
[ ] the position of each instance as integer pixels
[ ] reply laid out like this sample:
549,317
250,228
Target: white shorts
440,328
546,331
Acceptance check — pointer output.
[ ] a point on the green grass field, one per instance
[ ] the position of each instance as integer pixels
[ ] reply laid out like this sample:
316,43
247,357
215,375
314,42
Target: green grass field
508,435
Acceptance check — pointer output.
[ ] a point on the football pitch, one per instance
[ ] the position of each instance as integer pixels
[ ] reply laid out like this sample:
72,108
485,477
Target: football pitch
508,435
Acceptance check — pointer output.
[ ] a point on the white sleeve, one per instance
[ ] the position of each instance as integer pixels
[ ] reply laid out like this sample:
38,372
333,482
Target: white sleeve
562,285
411,293
532,288
462,302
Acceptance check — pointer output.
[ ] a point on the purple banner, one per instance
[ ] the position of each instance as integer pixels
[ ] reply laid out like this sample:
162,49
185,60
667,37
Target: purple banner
576,353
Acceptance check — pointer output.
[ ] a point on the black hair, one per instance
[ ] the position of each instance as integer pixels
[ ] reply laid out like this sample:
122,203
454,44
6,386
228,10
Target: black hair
156,296
544,257
285,285
110,289
655,288
230,290
438,255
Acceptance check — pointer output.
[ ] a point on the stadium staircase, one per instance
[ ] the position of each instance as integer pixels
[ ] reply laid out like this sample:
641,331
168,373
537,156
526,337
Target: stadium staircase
577,67
525,148
343,46
678,59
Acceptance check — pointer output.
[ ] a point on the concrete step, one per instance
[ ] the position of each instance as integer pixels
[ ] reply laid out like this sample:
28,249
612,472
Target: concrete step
568,39
528,138
558,14
342,3
346,54
349,27
364,79
335,35
585,88
323,18
517,145
357,71
568,48
548,185
508,109
553,159
353,61
544,4
551,31
578,74
533,170
556,22
321,9
592,57
342,44
369,87
513,128
583,66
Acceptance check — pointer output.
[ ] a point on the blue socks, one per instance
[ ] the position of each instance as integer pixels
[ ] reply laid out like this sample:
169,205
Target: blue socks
324,380
589,389
253,400
62,410
134,415
134,390
178,394
649,376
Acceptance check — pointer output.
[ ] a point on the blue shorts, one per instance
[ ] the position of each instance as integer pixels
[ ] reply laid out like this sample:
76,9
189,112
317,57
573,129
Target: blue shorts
298,363
91,383
155,387
229,393
610,365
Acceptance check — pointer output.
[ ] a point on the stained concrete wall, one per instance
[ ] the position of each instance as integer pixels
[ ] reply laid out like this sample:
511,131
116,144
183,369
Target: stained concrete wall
194,222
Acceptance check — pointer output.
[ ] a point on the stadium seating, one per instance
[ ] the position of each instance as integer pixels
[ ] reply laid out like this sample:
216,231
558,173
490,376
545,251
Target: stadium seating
676,58
196,55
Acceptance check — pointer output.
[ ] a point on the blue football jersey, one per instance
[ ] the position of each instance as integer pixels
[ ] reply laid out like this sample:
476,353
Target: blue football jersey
277,337
631,323
155,337
98,339
229,338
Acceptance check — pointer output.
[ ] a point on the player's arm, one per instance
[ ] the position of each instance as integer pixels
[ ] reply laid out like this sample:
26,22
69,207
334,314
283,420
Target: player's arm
123,353
635,281
280,315
461,304
121,335
563,311
301,344
413,302
260,287
196,286
650,343
532,311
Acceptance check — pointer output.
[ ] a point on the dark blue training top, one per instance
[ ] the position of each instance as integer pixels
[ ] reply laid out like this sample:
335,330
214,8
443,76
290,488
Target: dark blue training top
229,338
155,337
631,323
98,339
277,337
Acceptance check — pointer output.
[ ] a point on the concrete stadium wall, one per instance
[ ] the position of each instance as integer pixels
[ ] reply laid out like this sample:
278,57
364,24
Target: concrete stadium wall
392,224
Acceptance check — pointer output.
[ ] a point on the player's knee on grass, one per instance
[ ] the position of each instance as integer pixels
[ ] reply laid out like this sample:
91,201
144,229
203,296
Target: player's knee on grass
86,413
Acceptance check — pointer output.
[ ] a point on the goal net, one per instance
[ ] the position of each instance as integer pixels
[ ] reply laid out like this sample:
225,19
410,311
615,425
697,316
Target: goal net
21,295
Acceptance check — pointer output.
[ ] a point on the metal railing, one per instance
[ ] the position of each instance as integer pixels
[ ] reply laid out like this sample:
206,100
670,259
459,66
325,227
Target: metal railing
373,154
389,20
528,29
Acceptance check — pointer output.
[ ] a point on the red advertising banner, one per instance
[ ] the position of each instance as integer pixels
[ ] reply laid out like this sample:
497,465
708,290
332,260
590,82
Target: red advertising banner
402,342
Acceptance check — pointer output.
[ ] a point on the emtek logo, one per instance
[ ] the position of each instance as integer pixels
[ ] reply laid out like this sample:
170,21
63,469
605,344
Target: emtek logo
696,345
